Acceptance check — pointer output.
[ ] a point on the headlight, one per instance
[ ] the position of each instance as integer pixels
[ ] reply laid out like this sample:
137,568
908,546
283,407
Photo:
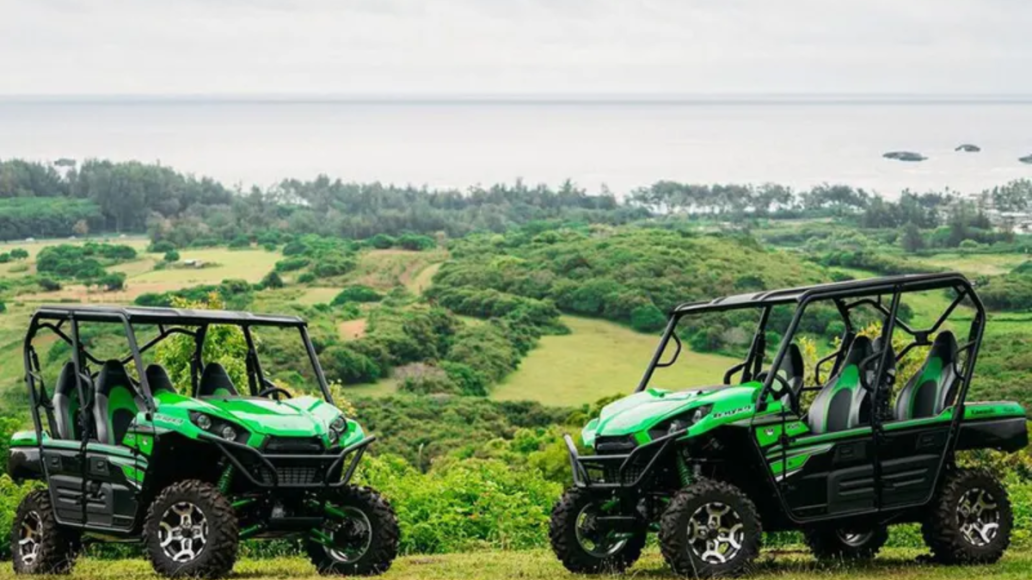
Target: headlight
333,436
339,424
680,422
218,427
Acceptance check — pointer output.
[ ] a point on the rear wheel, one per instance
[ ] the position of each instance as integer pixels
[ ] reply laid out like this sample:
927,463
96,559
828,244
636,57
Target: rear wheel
848,543
38,544
710,528
191,531
581,544
970,520
359,538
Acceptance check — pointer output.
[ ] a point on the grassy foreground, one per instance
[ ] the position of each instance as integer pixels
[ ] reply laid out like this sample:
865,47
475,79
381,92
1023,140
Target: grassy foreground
783,565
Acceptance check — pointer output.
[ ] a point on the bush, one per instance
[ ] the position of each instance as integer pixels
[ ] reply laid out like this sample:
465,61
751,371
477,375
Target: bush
468,505
48,285
161,247
381,241
291,264
171,256
647,318
272,280
470,382
356,293
19,254
348,366
113,281
416,242
295,248
306,278
334,265
3,307
5,258
240,242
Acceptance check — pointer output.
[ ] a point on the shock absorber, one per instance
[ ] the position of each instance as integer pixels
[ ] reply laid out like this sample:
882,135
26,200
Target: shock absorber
684,471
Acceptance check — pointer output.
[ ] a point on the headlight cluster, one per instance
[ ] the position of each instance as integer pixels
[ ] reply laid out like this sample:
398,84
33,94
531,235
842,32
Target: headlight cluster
218,427
337,427
680,422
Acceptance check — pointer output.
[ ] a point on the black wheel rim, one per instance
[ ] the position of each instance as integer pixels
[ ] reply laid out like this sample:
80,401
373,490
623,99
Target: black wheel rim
716,533
591,539
30,537
351,536
978,516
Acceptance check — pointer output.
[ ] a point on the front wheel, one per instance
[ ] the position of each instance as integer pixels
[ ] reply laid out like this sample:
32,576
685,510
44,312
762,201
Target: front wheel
970,519
582,544
38,544
191,531
710,528
360,536
849,543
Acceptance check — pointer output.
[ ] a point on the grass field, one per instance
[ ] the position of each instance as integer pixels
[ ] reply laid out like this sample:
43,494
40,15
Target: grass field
542,565
975,264
600,358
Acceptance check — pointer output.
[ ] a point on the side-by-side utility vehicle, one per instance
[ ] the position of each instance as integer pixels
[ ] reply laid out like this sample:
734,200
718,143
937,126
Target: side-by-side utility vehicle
188,469
839,455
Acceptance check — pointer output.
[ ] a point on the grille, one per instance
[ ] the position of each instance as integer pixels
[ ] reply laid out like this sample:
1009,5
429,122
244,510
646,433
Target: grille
291,445
623,444
288,474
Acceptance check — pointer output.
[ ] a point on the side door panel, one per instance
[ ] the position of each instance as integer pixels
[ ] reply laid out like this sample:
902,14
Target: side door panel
63,463
112,486
910,458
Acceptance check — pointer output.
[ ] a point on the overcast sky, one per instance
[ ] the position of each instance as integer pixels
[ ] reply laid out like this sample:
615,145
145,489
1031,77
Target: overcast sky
514,47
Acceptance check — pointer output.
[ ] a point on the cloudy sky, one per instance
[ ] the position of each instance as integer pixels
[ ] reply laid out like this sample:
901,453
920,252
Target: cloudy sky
514,47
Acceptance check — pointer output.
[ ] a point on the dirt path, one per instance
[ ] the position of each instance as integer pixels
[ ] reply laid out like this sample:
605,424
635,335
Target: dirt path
352,329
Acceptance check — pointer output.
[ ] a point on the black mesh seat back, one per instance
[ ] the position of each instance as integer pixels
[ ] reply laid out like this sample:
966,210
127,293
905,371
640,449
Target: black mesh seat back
116,403
215,382
158,381
843,402
934,385
66,404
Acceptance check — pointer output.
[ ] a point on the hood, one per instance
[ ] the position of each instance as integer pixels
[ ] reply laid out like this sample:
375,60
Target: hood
298,417
638,412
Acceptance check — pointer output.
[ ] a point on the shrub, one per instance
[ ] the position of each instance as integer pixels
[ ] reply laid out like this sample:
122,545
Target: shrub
5,258
19,254
416,242
240,242
272,280
171,256
348,366
3,307
291,264
161,247
470,382
381,241
113,281
356,293
306,278
334,265
647,318
295,248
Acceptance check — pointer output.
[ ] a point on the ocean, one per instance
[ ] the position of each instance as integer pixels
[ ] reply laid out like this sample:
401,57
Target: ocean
460,143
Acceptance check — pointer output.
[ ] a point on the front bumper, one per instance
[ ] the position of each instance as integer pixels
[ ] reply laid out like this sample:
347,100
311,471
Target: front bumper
619,470
292,470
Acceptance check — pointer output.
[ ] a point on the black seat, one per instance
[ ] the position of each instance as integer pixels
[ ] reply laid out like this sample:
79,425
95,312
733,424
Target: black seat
115,404
215,382
934,386
843,403
158,381
793,367
66,404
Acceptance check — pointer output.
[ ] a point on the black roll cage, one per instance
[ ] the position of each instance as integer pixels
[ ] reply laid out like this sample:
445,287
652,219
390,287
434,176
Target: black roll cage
169,321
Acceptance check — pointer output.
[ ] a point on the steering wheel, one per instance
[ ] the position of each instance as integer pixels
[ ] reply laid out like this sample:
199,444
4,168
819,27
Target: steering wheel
793,397
274,390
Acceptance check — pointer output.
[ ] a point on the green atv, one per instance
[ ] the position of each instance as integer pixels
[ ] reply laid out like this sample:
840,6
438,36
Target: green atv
126,457
777,448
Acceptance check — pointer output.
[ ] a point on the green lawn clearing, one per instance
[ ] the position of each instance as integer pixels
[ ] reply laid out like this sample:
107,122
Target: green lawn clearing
600,358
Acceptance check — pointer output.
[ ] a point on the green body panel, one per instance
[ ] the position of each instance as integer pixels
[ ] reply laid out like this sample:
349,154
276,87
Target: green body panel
636,414
300,417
